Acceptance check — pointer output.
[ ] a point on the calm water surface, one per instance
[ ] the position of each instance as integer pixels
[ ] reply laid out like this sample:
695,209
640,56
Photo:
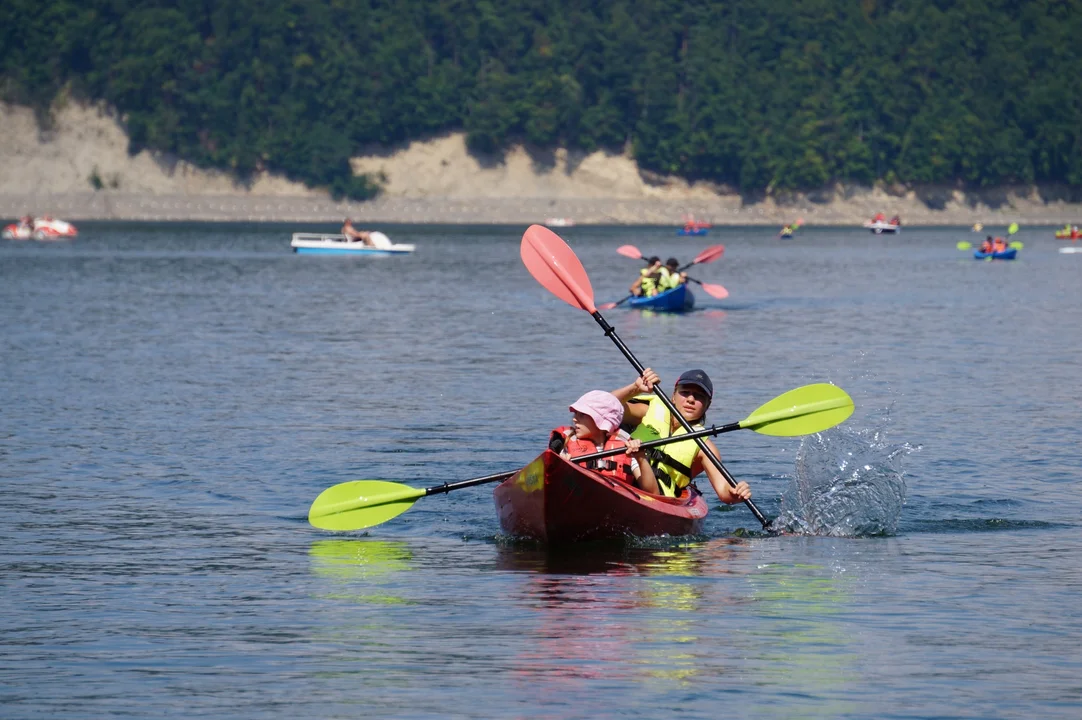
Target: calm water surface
174,397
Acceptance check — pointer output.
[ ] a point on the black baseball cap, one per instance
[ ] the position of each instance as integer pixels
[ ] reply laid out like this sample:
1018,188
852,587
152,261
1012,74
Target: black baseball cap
699,378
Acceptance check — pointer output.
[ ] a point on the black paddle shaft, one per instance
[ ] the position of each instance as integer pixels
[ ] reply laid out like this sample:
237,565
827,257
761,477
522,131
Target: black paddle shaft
500,477
610,332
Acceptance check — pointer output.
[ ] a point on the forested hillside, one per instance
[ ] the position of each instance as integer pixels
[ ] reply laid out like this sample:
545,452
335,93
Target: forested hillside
757,94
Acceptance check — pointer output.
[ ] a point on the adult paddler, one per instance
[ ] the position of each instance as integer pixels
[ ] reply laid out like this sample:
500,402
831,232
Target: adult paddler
671,277
645,284
675,464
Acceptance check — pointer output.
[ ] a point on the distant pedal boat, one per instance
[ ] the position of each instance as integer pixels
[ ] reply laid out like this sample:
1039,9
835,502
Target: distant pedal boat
336,244
879,227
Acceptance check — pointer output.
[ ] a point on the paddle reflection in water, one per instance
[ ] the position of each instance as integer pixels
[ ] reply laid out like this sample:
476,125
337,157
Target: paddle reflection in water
622,612
806,647
367,566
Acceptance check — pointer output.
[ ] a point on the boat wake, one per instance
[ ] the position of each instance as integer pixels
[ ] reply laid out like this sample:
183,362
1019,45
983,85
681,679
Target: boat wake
847,484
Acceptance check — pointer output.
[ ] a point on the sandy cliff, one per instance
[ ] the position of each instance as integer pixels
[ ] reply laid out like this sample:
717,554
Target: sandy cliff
438,181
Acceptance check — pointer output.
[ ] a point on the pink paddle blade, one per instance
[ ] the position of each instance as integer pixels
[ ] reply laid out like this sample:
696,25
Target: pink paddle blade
710,254
607,306
715,291
630,251
553,264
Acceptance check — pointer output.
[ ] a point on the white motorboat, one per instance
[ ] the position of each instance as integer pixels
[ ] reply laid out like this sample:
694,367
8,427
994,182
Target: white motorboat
337,244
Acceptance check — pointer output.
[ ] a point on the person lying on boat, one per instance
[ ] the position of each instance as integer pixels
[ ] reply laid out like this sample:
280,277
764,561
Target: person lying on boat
676,464
645,284
986,246
352,234
670,278
595,426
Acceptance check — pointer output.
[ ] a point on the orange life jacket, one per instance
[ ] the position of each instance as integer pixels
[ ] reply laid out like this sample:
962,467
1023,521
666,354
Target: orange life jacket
617,467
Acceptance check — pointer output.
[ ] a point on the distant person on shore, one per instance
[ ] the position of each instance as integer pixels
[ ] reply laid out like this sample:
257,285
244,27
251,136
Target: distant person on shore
354,235
646,283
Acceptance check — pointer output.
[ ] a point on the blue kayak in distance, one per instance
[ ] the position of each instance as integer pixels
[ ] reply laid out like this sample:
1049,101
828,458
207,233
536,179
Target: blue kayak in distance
679,299
1007,254
692,231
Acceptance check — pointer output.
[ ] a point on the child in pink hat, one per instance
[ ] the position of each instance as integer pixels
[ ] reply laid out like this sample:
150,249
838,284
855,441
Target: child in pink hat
595,426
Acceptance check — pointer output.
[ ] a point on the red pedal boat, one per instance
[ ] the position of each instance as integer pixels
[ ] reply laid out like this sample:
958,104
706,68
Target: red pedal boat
558,502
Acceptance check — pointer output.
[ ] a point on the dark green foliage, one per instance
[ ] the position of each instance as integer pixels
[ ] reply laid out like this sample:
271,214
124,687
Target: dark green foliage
757,94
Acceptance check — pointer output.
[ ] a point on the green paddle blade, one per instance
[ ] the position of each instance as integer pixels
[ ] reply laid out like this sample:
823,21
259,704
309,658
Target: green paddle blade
1016,244
805,410
359,504
964,245
1012,229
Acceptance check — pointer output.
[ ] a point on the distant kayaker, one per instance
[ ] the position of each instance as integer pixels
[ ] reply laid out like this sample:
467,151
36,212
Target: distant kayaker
595,426
896,220
999,245
645,284
674,465
670,278
354,235
987,245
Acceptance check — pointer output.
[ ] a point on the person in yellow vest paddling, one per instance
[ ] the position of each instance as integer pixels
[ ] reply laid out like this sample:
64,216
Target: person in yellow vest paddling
646,283
676,464
671,277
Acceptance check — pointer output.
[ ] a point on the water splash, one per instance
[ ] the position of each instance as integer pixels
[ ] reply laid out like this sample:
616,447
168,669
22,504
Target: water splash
848,484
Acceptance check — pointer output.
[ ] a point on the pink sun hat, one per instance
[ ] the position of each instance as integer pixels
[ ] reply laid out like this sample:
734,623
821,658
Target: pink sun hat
603,407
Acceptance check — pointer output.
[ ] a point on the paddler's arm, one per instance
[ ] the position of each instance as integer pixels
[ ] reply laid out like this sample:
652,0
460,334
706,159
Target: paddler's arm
635,412
644,474
726,493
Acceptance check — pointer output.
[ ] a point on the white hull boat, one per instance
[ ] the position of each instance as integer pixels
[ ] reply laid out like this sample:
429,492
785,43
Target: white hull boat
42,229
879,227
337,244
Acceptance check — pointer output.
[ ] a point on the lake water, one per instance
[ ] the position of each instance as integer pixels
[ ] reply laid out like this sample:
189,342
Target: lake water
174,396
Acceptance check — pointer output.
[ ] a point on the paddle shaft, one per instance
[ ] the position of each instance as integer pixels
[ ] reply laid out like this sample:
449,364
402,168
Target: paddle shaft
610,332
448,487
500,477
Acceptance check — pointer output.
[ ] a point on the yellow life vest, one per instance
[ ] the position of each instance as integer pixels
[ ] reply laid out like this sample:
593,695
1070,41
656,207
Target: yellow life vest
669,280
665,281
671,463
648,285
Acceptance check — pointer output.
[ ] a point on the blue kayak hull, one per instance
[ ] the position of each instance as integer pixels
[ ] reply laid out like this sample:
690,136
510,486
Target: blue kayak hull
678,299
697,231
1004,255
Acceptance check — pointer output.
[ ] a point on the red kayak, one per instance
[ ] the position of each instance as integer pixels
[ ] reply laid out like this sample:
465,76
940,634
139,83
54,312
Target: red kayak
558,502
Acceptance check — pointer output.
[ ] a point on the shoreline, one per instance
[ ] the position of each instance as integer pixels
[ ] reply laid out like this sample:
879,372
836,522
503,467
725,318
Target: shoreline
724,211
81,169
